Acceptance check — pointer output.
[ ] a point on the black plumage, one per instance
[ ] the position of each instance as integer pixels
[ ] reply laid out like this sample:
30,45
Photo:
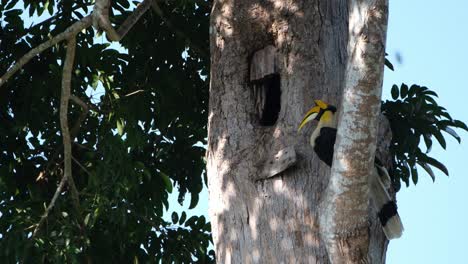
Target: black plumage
323,141
324,144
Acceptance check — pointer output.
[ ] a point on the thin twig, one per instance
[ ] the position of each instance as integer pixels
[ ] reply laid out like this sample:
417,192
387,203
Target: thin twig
79,102
86,106
81,166
70,31
49,208
101,19
134,17
134,92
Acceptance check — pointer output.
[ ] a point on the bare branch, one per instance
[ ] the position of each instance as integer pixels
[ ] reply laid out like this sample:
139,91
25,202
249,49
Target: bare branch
64,100
66,80
134,92
79,102
86,106
81,166
69,32
49,208
134,17
73,133
101,19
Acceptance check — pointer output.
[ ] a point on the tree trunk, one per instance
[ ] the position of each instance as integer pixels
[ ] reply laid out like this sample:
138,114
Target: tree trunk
270,59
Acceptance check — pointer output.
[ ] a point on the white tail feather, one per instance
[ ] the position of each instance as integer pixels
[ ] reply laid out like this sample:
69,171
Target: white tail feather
393,227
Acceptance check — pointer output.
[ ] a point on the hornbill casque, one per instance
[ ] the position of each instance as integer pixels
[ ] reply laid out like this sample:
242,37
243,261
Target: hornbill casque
322,141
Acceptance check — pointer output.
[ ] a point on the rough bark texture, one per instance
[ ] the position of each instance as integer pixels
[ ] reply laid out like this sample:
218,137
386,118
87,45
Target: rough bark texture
344,219
257,219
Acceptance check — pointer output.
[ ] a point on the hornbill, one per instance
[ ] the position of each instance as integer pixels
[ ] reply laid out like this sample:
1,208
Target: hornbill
322,141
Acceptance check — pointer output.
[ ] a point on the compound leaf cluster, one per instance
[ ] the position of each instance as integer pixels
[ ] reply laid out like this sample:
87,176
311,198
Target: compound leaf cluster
416,117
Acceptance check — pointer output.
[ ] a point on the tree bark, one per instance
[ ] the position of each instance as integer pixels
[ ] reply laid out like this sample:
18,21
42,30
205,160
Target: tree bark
345,218
265,183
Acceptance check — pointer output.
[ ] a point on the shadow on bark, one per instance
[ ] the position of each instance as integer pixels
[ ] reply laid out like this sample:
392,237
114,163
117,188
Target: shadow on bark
272,220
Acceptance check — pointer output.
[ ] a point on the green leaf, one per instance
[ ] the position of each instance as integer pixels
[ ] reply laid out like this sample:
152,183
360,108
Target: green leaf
40,10
460,124
389,64
10,5
193,200
428,142
404,90
50,7
414,175
139,165
191,221
183,217
430,100
394,92
175,217
95,81
438,135
167,181
452,133
437,164
412,90
78,14
427,169
201,222
32,9
120,126
86,220
429,92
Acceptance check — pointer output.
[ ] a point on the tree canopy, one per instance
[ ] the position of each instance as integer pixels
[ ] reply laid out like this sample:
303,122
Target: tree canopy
142,133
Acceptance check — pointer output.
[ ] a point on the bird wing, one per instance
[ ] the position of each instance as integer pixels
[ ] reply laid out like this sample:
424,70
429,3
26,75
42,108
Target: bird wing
325,143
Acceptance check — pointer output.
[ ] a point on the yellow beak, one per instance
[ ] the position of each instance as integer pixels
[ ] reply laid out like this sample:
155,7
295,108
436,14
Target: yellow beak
310,115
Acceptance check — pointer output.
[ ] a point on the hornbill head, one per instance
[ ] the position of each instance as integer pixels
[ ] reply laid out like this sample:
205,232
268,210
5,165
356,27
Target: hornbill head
316,112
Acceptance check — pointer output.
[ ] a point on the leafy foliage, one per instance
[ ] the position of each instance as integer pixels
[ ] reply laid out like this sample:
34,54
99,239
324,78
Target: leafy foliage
140,140
414,115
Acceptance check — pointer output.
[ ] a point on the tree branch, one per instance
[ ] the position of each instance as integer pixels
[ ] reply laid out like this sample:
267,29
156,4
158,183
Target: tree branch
68,33
66,79
344,220
134,17
49,208
73,133
101,19
64,100
86,106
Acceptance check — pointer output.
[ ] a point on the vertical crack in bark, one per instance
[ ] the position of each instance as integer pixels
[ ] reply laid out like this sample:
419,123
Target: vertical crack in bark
319,10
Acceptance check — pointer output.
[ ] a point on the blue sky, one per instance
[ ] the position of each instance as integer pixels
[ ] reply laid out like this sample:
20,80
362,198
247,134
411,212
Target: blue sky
432,38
